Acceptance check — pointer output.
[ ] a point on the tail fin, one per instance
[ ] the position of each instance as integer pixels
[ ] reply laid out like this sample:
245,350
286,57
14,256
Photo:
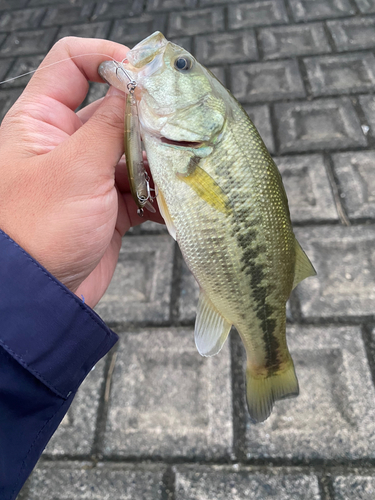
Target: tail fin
262,392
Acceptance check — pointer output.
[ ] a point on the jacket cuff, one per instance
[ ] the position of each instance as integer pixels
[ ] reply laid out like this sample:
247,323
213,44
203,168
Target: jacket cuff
44,326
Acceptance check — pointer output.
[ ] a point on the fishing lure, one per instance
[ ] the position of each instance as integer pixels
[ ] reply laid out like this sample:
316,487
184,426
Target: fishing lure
139,180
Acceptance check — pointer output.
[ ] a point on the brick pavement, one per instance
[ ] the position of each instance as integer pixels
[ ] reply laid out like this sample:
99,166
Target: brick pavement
154,420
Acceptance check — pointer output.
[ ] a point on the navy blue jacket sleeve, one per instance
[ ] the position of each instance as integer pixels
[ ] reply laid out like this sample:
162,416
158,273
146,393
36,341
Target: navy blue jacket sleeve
49,341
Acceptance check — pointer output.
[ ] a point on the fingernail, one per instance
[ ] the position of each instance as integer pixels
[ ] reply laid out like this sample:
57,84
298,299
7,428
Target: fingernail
113,91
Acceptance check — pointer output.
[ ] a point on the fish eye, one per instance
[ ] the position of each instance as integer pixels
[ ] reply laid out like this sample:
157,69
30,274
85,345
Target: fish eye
183,63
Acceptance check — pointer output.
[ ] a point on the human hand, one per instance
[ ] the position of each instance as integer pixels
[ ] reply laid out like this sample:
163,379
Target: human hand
64,195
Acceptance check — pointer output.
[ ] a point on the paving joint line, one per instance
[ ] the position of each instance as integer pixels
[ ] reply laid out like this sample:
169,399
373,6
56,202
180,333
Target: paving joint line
341,211
104,401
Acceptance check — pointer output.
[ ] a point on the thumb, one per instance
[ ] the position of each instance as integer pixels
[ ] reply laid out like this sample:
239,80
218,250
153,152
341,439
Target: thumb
99,143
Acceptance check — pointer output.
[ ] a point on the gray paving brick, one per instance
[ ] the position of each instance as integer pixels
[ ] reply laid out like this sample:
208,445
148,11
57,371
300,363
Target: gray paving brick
204,3
353,34
33,3
157,5
116,10
266,81
133,30
366,6
223,483
219,72
355,174
342,74
91,30
368,106
68,14
5,65
96,91
21,19
183,41
306,10
226,47
317,125
195,22
148,227
250,14
79,480
168,401
12,4
287,41
21,66
189,293
260,116
333,417
75,435
28,42
354,487
7,99
307,187
141,287
345,284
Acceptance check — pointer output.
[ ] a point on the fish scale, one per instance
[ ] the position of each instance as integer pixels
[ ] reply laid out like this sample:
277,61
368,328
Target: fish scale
251,220
223,200
227,281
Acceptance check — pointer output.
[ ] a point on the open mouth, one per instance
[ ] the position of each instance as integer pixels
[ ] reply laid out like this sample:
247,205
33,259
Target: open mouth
181,144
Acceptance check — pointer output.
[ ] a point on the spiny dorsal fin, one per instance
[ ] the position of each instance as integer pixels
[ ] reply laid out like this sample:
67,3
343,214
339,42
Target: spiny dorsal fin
206,188
303,267
165,213
211,328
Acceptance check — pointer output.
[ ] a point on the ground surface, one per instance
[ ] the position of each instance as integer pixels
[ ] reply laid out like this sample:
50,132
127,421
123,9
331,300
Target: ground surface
156,421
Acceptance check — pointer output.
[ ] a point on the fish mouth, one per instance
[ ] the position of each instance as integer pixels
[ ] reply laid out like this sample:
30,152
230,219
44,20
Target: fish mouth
146,50
111,72
182,144
140,62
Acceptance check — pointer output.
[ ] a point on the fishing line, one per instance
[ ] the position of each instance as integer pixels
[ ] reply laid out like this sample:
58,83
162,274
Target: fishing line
56,62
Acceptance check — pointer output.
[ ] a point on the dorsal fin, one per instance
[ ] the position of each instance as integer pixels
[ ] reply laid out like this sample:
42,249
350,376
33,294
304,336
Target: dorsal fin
303,267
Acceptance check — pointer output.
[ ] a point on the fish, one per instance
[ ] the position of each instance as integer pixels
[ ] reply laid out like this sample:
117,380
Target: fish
223,201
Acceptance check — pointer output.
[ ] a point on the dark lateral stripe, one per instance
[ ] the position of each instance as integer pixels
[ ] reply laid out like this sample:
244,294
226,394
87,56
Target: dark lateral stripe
264,311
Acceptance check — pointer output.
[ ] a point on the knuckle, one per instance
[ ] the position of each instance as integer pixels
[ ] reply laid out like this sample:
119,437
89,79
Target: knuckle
63,43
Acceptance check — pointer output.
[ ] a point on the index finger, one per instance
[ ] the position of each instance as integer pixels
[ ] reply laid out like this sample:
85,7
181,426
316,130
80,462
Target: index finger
69,65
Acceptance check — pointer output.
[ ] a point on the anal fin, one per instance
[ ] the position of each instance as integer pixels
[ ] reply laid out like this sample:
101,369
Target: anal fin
211,328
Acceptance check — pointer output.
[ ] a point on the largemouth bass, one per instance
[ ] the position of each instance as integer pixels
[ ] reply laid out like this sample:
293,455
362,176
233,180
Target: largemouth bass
223,200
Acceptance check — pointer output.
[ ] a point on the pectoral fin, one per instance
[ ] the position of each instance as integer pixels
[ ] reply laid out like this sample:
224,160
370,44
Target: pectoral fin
211,328
303,267
165,213
205,187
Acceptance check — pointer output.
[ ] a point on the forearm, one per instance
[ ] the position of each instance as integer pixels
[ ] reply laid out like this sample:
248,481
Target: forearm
49,341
